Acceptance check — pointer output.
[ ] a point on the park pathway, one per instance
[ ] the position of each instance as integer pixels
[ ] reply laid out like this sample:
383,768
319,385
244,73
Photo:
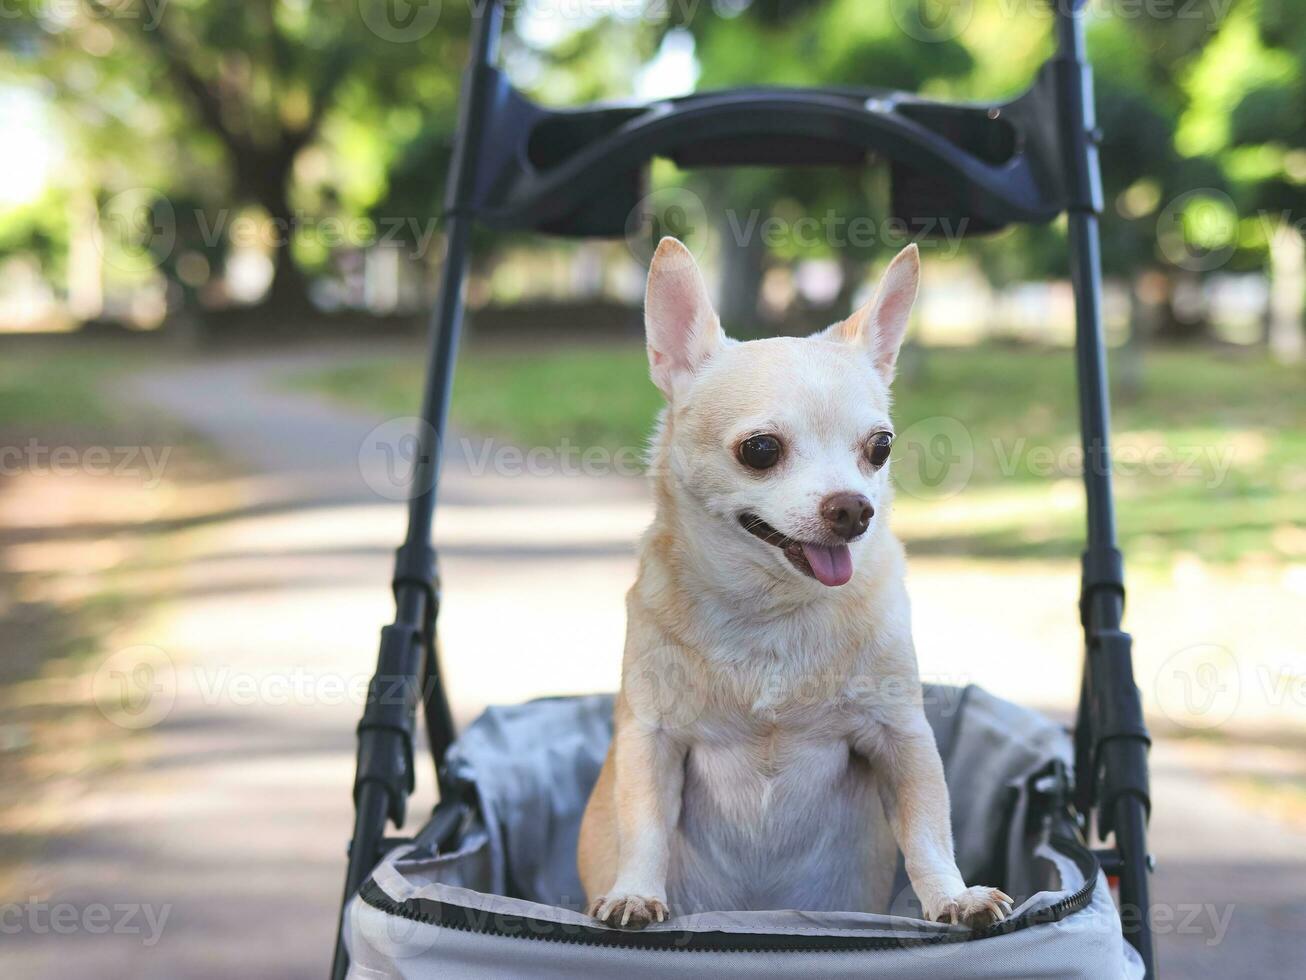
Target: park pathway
232,822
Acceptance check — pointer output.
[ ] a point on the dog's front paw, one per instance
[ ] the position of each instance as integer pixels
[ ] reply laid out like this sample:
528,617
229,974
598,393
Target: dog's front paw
975,908
635,911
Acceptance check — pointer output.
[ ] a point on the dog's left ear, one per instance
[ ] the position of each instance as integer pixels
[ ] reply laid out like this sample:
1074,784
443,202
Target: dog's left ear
879,325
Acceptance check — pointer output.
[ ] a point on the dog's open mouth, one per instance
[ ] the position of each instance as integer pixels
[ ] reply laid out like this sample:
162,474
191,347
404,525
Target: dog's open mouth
828,564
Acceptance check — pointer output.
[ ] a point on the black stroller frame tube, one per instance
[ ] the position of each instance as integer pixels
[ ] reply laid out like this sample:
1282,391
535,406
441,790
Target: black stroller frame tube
407,666
1111,740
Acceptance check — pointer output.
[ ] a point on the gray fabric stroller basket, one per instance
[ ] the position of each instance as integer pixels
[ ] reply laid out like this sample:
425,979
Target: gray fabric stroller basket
489,888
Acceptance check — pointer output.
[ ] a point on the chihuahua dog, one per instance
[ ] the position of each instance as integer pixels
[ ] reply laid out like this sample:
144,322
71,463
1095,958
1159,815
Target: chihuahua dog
770,745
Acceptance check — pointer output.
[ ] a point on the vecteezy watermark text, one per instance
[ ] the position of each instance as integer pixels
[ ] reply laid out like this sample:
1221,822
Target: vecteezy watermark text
1210,463
37,917
836,230
36,458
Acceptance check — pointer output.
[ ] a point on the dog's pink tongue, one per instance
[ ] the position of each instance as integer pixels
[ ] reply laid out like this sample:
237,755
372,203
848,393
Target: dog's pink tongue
831,566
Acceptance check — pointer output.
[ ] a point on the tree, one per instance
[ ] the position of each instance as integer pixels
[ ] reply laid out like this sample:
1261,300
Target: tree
1264,144
235,93
1150,187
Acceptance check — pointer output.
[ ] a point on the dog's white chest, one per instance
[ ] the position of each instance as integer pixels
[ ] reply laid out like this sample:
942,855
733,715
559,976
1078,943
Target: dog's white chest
768,781
777,812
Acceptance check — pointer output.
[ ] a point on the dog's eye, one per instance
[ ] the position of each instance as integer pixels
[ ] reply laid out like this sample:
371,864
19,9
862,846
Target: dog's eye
760,452
877,450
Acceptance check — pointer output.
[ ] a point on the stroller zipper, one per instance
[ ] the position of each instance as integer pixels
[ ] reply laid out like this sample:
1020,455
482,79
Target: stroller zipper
446,915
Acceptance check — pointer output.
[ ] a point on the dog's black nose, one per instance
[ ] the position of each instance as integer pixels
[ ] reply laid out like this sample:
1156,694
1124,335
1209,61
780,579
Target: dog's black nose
847,514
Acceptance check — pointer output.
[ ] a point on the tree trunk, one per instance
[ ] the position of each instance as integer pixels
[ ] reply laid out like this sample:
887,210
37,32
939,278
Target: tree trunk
85,262
1283,328
266,178
1175,324
1147,291
853,273
742,268
741,286
288,293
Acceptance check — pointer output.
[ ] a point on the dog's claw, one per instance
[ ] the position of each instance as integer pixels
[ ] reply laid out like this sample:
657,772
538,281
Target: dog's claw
976,908
629,911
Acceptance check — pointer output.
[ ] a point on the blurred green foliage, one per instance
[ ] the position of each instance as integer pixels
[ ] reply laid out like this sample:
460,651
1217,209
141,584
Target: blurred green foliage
1210,460
315,109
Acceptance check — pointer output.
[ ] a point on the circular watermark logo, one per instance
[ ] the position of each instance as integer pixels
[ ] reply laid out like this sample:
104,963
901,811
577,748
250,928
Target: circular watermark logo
669,211
730,8
138,229
914,932
390,937
666,687
932,20
394,457
400,21
135,687
1197,230
406,938
1199,687
933,459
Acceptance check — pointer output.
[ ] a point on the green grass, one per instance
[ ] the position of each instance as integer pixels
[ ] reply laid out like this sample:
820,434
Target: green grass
594,396
57,388
1211,453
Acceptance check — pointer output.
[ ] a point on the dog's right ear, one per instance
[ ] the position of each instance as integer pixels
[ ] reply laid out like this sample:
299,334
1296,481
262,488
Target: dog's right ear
682,329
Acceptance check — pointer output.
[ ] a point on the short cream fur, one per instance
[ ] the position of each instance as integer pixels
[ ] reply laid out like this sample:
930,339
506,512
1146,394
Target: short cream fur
770,747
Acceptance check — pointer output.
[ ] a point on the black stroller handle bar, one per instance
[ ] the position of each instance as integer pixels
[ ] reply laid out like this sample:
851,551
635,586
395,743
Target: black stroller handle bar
577,172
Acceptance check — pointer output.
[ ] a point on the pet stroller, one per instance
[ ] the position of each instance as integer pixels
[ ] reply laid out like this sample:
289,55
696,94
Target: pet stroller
489,886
